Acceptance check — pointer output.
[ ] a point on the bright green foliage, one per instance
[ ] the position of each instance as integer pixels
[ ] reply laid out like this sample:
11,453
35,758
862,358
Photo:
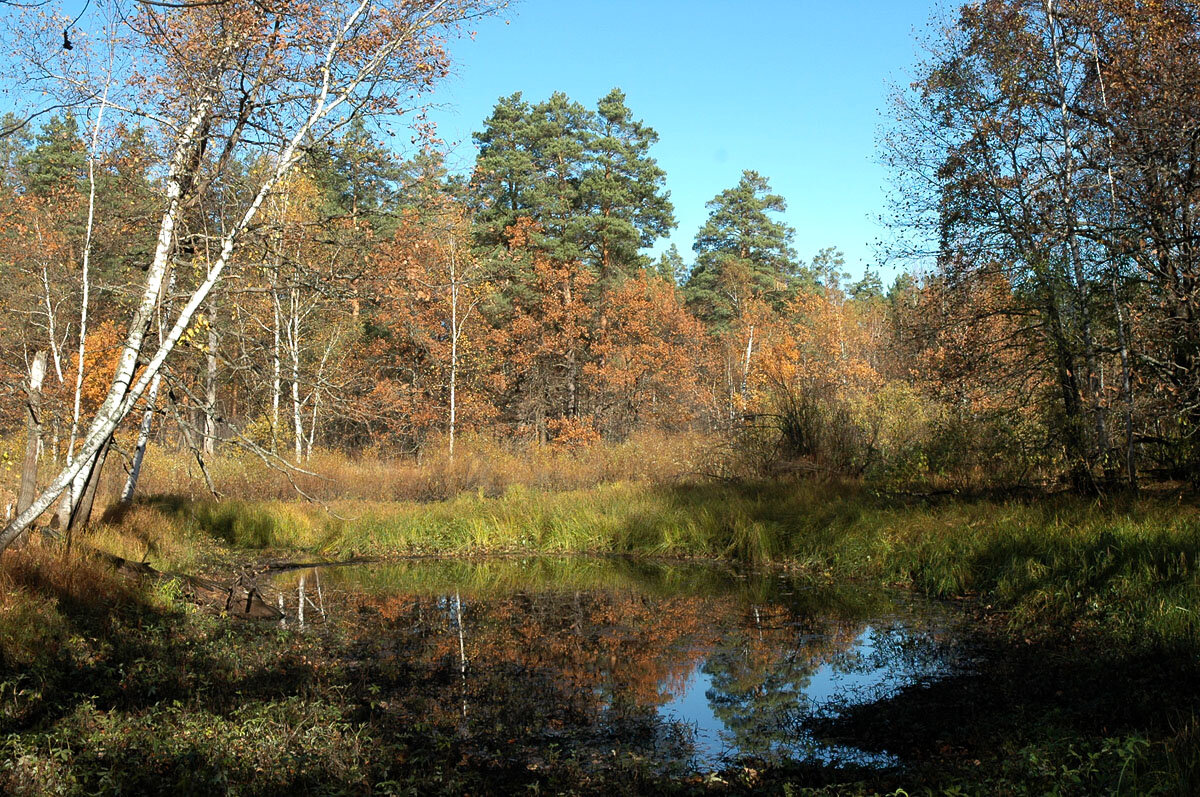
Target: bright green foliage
742,252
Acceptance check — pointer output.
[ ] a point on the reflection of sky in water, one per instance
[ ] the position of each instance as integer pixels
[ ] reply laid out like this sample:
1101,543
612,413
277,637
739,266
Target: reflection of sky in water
861,674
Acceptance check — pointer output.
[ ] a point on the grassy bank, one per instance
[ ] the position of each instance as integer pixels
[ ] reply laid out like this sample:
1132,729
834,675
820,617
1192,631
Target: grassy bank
1128,566
1092,629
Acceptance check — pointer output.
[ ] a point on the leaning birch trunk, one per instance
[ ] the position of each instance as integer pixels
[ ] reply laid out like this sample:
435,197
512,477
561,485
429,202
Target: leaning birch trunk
125,390
33,432
116,403
139,453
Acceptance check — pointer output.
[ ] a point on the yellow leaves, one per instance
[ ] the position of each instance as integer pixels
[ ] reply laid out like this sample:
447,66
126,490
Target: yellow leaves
194,335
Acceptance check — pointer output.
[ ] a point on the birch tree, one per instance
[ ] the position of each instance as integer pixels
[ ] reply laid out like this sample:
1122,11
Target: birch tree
218,81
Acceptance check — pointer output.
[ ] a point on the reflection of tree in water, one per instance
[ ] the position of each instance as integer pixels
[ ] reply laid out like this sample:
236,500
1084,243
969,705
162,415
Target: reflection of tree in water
760,673
538,666
584,668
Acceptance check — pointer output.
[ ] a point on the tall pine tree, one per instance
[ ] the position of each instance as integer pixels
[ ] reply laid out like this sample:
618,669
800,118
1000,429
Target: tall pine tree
625,206
741,251
585,178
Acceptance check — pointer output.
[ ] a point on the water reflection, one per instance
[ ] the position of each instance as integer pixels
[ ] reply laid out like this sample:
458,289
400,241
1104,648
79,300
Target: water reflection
688,665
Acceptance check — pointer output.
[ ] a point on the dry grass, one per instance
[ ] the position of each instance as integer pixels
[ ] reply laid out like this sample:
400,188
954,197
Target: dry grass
44,591
482,465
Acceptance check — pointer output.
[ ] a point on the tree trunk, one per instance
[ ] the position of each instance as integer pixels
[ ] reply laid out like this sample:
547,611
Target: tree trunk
453,357
82,513
143,438
276,378
210,388
297,418
33,433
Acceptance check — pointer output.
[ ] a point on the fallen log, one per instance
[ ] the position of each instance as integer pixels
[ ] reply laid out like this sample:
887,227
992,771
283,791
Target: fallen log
241,599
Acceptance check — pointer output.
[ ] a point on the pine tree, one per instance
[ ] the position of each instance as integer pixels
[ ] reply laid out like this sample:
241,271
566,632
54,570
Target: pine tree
625,206
56,162
671,267
504,171
828,269
586,179
357,176
741,251
867,289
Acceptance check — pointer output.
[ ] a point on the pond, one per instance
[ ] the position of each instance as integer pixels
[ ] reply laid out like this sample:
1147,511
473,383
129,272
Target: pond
686,666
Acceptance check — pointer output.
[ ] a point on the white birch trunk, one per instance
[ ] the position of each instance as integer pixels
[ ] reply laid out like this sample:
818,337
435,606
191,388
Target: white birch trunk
210,387
276,374
33,432
139,453
294,345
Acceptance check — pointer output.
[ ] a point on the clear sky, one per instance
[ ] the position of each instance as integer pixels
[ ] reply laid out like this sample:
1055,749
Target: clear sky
791,89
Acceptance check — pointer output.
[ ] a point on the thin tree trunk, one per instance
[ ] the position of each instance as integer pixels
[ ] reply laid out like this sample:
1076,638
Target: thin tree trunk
143,439
277,319
276,380
85,282
33,432
297,419
210,387
453,353
51,326
1122,337
746,362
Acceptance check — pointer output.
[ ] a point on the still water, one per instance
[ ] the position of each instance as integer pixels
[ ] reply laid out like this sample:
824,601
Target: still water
690,666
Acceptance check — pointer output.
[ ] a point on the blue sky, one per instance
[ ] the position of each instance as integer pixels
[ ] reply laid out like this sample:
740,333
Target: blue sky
791,89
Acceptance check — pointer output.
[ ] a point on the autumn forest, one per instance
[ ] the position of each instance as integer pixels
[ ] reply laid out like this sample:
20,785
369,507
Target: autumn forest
241,327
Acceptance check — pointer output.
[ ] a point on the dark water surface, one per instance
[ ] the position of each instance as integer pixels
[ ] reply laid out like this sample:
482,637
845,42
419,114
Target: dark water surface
691,666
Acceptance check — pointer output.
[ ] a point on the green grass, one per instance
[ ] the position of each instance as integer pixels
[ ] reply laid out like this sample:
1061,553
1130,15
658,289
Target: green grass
1127,567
